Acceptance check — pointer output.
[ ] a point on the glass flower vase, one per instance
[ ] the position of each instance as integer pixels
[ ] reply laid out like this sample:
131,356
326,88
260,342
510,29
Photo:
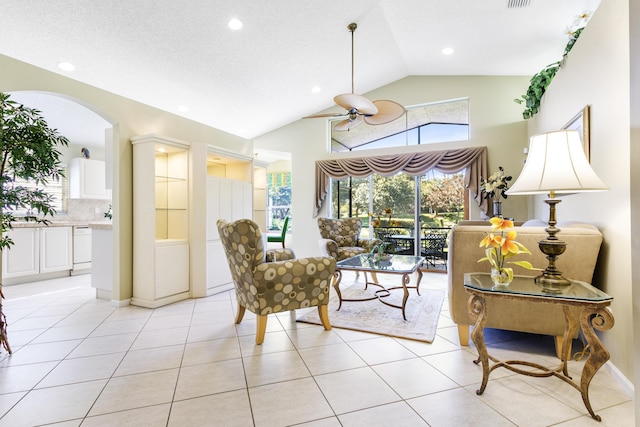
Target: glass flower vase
497,209
500,278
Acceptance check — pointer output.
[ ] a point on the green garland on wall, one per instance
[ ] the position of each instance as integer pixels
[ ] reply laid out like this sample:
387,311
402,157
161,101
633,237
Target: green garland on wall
541,80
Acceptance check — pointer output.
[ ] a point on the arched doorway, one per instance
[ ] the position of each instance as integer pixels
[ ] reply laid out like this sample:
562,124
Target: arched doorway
91,134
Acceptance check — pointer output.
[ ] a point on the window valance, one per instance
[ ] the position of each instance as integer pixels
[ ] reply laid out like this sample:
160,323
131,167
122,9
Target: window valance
473,160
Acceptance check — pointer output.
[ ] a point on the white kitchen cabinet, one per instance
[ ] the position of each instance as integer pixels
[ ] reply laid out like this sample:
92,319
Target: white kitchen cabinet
87,179
37,253
56,250
23,257
102,260
161,193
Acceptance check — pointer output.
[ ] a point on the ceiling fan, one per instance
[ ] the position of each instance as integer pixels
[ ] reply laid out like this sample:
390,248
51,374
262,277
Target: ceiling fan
360,109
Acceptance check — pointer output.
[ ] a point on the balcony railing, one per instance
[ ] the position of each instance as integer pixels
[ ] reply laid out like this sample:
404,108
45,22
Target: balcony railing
433,242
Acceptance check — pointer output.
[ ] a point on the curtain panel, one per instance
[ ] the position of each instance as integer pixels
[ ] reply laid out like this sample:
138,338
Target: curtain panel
471,160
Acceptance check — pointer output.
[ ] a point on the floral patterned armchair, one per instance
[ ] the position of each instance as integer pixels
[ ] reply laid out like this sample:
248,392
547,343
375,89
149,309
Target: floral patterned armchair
272,281
341,238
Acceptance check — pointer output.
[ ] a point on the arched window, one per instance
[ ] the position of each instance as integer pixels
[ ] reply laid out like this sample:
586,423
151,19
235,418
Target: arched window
442,121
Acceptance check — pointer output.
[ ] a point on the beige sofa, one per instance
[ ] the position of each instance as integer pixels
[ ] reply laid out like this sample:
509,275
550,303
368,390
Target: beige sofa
577,263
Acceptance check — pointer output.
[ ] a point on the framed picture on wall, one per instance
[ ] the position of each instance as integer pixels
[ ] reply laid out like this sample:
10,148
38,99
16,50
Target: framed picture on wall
580,122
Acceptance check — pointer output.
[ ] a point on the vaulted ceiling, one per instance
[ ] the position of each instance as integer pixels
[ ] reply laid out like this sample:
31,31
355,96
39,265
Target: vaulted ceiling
181,53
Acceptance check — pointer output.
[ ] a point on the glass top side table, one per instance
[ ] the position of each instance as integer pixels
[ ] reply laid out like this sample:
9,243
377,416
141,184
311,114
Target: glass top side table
594,315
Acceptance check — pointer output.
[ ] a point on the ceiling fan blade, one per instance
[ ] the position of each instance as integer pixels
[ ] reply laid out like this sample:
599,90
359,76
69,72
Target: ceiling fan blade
316,116
388,111
349,124
359,102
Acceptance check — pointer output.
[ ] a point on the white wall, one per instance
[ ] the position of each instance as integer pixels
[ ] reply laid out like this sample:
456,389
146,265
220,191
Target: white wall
597,73
495,121
129,119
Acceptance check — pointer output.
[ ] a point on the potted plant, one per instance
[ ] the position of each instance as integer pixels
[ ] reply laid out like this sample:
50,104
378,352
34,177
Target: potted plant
540,81
495,188
28,151
381,252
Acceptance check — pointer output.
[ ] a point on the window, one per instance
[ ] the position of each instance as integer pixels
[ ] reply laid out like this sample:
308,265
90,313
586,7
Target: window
279,198
388,206
422,124
58,189
441,198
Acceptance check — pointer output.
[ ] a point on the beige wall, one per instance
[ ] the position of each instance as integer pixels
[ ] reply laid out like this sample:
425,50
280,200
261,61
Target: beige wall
495,121
129,119
597,73
634,49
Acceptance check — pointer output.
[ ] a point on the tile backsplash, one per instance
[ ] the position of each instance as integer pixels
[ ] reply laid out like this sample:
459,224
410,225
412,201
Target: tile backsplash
84,210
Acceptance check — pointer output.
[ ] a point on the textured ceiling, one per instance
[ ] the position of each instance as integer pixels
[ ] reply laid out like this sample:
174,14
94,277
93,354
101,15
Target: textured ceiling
168,53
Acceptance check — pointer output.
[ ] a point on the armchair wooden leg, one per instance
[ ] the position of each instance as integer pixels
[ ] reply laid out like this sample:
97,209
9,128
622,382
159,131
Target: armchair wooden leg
261,327
240,313
323,312
559,340
463,335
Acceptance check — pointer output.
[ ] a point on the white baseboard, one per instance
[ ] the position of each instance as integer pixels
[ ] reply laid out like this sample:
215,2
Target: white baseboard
627,386
121,303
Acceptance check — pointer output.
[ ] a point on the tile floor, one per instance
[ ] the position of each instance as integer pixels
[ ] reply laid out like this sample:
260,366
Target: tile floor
80,361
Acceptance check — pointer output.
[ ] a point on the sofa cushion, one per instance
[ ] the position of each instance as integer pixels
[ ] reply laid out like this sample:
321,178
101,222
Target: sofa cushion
534,223
345,252
560,224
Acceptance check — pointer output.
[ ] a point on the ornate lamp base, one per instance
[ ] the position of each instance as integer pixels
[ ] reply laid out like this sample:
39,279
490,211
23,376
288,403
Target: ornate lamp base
551,280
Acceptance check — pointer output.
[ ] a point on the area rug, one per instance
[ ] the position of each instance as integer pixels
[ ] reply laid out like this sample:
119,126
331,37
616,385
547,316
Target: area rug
374,317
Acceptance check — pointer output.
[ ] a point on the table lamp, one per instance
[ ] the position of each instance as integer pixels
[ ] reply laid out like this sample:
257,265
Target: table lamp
556,164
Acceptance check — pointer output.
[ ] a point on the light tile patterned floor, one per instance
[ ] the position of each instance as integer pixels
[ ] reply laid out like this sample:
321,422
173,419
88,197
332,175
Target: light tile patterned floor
80,361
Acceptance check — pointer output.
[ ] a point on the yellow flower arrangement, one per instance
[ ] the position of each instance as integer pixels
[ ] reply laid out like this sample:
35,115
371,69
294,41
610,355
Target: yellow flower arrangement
377,222
501,247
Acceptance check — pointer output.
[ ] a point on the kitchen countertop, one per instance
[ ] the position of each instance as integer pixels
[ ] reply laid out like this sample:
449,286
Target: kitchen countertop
96,225
101,225
33,224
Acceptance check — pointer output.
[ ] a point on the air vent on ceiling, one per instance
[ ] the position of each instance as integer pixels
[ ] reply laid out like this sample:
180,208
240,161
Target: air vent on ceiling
518,3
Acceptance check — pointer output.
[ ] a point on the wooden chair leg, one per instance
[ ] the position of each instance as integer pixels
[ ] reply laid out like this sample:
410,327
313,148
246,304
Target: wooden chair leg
463,335
239,313
261,327
323,312
559,340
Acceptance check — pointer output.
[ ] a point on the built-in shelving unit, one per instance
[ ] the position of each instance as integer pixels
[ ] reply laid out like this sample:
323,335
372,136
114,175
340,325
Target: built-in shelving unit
171,192
180,190
229,195
260,194
161,192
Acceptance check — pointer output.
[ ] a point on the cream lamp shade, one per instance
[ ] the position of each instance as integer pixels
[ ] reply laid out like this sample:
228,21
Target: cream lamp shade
556,164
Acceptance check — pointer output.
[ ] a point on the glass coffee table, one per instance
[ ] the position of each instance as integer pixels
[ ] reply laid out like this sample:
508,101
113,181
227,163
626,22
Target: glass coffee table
594,314
404,265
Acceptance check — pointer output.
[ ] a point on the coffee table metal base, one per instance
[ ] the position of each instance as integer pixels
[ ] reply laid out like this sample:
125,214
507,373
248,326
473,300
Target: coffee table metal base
381,293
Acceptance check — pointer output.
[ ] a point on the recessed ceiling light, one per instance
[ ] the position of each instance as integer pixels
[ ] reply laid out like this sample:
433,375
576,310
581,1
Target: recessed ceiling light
235,24
183,108
316,89
447,51
66,66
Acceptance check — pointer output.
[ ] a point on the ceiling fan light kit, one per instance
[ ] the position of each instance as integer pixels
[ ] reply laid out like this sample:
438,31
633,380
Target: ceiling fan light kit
360,109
